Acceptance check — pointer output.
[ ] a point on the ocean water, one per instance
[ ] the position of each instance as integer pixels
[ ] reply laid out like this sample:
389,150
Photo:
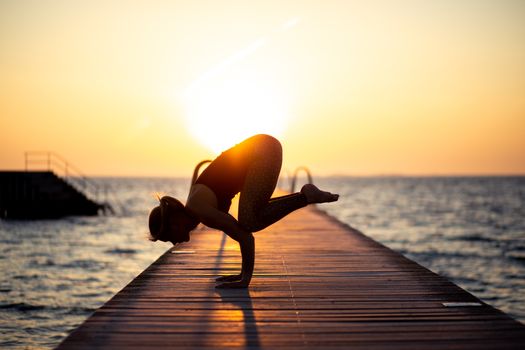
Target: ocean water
55,273
468,229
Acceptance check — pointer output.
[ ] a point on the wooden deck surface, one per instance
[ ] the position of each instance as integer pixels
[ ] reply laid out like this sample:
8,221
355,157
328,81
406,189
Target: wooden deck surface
317,284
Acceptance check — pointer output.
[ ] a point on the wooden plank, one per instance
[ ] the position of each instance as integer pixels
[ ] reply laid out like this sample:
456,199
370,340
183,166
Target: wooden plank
318,284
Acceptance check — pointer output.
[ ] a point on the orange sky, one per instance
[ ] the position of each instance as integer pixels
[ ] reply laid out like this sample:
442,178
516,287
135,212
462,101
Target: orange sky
350,87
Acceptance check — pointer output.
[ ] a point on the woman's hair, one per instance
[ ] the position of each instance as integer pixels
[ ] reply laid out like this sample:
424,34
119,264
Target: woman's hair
159,215
155,220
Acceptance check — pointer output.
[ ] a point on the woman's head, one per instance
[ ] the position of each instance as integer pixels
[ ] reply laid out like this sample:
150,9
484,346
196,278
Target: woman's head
170,222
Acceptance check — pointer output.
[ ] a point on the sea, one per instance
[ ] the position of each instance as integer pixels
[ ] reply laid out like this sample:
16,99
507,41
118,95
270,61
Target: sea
56,273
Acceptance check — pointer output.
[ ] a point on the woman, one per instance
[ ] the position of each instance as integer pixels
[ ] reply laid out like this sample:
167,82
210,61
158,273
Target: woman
252,168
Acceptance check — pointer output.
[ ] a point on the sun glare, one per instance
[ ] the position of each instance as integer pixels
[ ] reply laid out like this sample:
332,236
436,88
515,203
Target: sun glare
224,112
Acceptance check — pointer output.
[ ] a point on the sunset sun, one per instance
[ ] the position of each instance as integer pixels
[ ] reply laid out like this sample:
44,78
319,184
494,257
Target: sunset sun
222,113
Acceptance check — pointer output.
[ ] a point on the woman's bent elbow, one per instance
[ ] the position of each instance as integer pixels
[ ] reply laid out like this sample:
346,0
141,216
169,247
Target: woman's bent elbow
246,238
250,225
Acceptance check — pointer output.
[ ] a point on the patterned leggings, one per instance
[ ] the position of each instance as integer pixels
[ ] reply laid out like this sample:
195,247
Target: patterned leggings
256,209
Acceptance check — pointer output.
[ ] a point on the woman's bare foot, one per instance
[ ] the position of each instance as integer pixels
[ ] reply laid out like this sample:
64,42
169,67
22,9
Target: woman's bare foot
315,195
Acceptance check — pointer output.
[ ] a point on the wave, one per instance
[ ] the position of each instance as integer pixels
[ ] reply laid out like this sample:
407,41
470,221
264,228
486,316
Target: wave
22,307
471,238
121,251
433,254
518,256
87,264
26,307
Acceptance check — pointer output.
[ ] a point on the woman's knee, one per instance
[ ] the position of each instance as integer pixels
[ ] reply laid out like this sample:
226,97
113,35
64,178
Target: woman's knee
250,223
250,227
268,144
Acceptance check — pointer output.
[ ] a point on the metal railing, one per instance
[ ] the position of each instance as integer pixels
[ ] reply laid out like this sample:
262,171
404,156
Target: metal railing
294,178
51,161
196,170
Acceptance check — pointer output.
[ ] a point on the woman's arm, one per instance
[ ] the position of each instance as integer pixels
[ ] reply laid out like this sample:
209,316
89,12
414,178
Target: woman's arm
202,204
248,261
230,226
214,218
219,220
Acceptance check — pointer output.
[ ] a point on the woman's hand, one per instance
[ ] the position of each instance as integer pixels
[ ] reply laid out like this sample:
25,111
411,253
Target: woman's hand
230,278
242,280
233,285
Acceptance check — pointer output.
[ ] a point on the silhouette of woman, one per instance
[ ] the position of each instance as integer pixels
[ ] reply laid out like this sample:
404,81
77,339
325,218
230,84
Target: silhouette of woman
252,168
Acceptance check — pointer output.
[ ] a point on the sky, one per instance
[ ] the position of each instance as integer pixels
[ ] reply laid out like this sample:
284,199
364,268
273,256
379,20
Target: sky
150,88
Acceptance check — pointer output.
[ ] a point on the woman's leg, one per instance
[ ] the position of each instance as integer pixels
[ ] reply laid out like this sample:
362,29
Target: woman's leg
256,210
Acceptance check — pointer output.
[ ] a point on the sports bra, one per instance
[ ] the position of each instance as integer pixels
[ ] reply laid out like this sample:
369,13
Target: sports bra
225,175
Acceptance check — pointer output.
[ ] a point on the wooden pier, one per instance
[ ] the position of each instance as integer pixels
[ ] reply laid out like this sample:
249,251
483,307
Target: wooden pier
317,284
42,195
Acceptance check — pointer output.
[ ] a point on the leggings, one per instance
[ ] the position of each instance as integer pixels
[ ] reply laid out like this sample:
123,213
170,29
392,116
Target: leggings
256,209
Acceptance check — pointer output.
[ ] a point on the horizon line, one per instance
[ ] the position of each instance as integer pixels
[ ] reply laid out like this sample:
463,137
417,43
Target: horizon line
337,174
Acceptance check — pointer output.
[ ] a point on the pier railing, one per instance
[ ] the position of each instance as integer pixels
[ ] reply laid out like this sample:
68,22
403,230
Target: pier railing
197,169
51,161
294,178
